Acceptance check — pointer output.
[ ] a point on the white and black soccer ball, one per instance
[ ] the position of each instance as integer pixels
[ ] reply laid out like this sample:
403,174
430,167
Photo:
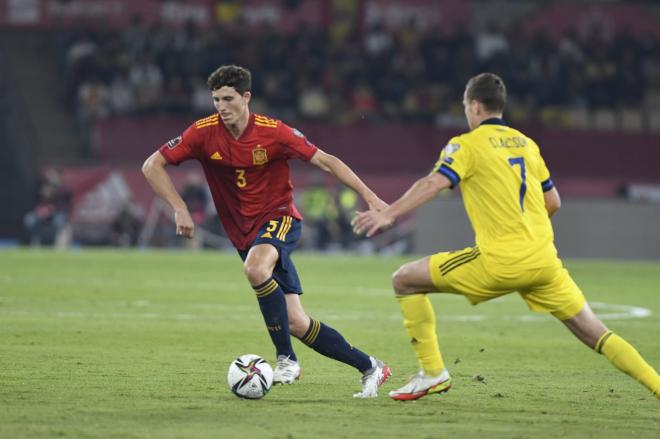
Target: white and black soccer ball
250,376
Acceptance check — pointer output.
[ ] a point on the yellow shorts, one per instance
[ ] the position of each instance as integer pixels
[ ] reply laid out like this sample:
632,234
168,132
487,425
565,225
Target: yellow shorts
548,289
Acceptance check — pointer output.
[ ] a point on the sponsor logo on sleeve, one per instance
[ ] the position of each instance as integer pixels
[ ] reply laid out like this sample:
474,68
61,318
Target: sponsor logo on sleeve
174,142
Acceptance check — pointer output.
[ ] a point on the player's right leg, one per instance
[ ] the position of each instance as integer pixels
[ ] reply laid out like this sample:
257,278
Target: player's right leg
592,332
557,293
258,267
411,282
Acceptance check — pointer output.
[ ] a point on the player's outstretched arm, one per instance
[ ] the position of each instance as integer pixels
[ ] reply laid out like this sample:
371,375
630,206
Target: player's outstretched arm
339,169
419,193
154,171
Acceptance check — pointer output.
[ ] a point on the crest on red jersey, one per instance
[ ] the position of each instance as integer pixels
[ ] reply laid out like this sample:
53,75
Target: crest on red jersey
259,156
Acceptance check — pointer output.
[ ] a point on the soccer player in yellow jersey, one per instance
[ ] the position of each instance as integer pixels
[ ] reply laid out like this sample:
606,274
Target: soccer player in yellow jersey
509,198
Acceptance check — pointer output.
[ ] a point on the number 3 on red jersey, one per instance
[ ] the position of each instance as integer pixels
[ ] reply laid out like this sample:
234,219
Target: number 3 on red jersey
240,178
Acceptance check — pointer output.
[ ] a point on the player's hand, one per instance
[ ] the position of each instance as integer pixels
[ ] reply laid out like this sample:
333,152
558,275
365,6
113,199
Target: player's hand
371,222
184,223
377,204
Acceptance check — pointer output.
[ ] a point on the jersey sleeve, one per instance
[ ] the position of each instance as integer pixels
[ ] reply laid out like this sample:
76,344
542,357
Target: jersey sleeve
295,143
183,147
456,161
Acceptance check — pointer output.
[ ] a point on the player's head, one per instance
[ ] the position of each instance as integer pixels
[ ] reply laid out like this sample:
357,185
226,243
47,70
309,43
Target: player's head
230,88
484,97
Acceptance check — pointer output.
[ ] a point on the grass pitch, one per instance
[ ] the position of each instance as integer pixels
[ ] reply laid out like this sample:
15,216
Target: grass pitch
123,344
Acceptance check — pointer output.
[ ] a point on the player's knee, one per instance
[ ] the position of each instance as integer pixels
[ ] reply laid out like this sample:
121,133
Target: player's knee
399,283
255,273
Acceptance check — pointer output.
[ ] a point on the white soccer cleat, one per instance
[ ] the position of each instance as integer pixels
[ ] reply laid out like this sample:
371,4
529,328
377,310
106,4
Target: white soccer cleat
373,379
421,385
286,371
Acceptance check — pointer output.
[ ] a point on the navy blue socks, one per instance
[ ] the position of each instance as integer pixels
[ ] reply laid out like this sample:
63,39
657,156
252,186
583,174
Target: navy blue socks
273,308
326,341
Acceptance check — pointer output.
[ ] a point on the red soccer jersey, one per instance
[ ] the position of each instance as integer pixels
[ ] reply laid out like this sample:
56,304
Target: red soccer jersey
249,177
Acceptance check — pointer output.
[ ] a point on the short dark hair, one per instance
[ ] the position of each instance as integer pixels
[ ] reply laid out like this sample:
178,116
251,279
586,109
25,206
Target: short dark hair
489,89
231,76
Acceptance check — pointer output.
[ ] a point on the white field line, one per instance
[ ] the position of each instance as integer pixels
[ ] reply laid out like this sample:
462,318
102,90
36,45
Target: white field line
619,312
128,316
605,311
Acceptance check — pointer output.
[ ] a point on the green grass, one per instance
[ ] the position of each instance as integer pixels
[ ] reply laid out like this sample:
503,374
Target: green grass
115,344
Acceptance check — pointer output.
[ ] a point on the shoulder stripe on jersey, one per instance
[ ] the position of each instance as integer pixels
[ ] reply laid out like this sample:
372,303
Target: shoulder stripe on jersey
269,125
211,118
547,185
264,119
209,124
450,174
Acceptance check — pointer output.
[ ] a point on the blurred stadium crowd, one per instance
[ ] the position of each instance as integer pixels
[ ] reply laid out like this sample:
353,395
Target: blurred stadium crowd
114,78
408,75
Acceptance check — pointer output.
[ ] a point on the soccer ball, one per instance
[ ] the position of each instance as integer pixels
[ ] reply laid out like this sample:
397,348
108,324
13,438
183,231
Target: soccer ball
250,376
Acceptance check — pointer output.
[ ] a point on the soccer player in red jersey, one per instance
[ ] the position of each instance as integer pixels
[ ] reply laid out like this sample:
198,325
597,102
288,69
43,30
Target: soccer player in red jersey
244,157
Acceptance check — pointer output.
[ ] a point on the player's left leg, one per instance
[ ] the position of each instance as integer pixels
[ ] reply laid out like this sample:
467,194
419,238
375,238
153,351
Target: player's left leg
329,342
315,334
322,338
593,333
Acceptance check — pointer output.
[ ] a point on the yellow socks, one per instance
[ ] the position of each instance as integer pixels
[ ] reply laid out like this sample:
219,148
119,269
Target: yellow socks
419,321
622,355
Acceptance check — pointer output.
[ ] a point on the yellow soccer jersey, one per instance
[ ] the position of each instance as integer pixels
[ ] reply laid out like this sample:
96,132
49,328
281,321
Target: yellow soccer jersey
502,178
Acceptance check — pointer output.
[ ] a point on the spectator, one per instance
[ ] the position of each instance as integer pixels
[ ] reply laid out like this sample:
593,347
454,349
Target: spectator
125,228
48,222
383,74
320,211
347,204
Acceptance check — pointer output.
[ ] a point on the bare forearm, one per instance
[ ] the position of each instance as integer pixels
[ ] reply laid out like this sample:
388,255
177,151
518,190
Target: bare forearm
419,193
162,184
